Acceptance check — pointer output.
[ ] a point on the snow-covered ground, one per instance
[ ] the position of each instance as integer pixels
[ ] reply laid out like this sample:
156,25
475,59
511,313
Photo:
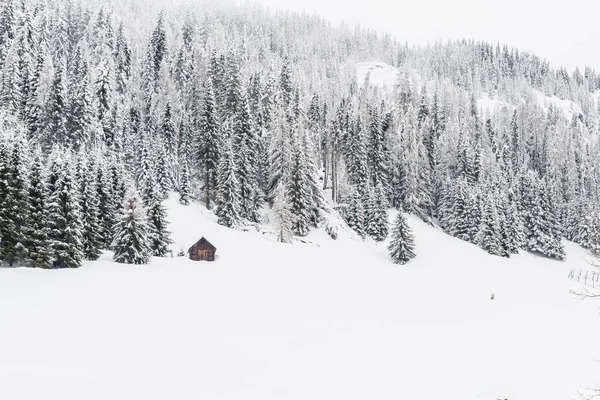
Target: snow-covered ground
568,107
326,320
378,73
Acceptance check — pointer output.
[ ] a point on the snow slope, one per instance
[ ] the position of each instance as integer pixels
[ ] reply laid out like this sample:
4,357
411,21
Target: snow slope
327,320
378,73
568,107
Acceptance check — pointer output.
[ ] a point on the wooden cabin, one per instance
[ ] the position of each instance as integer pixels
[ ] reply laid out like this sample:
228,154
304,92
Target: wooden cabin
202,250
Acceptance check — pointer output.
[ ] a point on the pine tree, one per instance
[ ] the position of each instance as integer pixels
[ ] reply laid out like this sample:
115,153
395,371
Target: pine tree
167,130
283,215
81,112
38,243
64,221
401,246
356,158
540,235
355,213
55,110
512,229
245,146
377,151
279,154
157,222
209,143
92,240
285,83
228,201
107,207
594,233
132,233
184,185
489,237
163,177
7,225
377,226
298,192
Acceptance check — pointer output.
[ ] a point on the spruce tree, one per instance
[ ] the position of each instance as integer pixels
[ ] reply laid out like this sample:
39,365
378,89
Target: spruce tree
132,233
184,185
157,222
245,146
92,240
377,226
594,233
55,110
167,130
401,246
283,215
489,237
540,235
107,210
228,200
38,243
209,143
8,228
355,213
64,221
298,191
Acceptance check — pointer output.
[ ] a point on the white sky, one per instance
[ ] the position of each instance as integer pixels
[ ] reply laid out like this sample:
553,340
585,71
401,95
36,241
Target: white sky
565,32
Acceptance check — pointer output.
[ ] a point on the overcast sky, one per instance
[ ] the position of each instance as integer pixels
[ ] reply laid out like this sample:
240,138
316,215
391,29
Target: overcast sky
566,32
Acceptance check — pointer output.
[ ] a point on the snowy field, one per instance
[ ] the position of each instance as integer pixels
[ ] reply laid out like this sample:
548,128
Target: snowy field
326,320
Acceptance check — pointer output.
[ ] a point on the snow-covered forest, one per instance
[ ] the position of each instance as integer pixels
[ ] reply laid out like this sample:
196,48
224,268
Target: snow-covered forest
105,109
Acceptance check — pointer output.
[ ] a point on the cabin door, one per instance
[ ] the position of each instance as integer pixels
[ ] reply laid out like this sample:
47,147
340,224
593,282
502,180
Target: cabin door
203,255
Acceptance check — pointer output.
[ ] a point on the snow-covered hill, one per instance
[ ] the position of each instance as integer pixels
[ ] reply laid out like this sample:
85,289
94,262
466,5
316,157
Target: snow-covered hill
326,320
377,73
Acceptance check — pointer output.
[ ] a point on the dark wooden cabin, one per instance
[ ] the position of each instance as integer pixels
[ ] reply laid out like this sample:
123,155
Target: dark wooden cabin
202,250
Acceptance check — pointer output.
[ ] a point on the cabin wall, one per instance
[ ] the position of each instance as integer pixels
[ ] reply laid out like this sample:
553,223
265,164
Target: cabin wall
202,253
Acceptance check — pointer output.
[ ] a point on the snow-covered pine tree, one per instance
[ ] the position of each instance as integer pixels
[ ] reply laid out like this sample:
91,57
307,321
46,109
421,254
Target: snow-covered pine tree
279,152
64,220
55,108
228,200
377,152
594,233
355,212
38,243
283,215
106,206
512,232
92,240
401,246
167,130
132,233
245,146
15,205
456,218
489,237
163,177
157,222
356,159
184,184
81,111
145,172
377,217
209,143
6,198
298,189
539,234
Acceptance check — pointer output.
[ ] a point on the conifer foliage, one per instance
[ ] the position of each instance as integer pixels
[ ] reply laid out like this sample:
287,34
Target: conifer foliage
250,118
133,234
401,245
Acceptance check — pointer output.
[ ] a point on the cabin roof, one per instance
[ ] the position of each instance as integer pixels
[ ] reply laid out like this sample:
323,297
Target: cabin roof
202,241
